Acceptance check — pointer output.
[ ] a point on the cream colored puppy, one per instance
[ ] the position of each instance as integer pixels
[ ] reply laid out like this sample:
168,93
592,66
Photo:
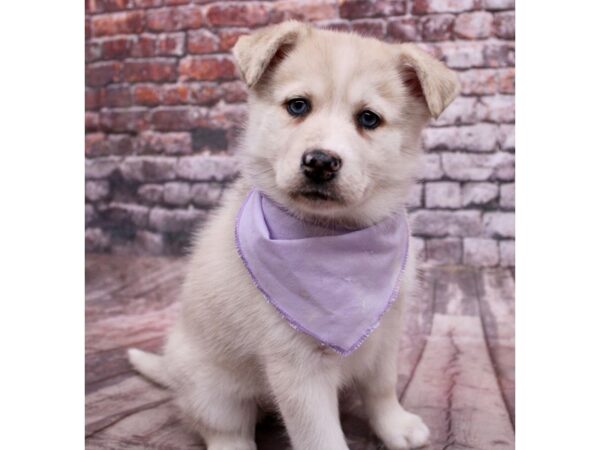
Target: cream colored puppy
362,103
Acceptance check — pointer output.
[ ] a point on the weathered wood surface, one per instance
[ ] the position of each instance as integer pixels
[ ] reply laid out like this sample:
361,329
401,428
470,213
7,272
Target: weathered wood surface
456,362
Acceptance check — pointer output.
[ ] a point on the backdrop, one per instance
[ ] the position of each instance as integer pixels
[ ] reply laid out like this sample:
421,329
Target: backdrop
164,105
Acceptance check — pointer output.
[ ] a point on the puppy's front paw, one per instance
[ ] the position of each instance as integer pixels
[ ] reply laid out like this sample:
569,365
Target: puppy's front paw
409,432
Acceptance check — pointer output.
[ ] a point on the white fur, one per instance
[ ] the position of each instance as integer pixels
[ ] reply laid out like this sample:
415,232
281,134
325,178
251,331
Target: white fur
230,352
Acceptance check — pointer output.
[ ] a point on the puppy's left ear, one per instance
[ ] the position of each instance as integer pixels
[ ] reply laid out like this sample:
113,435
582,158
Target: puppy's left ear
428,78
258,51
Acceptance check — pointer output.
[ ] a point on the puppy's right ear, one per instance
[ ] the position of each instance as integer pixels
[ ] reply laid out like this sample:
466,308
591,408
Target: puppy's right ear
256,52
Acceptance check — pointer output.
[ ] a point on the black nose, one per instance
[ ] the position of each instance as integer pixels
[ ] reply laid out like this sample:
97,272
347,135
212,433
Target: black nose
320,165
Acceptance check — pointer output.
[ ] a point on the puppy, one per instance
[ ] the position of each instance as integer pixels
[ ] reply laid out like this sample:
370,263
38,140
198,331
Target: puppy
333,141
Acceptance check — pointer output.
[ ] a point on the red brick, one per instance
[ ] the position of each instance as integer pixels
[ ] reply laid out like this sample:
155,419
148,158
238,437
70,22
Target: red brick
356,9
176,94
477,25
204,93
118,144
437,27
304,10
97,6
207,68
101,74
98,144
130,22
225,116
202,41
117,48
123,120
504,25
148,3
174,19
152,70
170,44
404,29
115,96
370,27
506,81
93,51
91,121
228,38
144,46
88,28
177,118
146,94
92,99
94,144
234,92
237,14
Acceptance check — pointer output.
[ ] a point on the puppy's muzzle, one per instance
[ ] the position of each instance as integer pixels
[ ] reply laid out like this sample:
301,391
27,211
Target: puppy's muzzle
320,166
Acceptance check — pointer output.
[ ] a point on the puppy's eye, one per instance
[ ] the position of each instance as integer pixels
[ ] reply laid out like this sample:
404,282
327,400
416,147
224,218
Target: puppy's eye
368,119
298,106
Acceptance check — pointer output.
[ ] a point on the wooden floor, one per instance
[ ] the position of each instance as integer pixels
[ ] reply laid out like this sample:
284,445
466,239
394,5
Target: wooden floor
456,363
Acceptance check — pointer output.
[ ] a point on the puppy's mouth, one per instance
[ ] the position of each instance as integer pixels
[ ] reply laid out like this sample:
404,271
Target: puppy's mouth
316,195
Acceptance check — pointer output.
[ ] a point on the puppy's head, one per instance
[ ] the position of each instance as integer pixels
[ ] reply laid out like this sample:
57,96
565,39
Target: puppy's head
335,119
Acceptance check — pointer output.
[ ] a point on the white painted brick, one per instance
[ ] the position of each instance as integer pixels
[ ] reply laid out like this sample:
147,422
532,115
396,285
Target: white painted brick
207,168
442,195
477,194
446,223
415,196
479,167
444,251
480,252
507,195
177,193
507,253
432,167
499,224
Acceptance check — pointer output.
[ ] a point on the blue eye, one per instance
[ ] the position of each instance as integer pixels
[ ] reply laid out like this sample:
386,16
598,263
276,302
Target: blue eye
298,106
368,119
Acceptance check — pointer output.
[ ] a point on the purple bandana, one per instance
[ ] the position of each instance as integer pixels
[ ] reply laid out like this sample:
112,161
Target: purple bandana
333,285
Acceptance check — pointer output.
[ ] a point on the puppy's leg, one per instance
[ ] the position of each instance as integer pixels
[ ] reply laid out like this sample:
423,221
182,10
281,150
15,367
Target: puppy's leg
395,426
306,394
217,405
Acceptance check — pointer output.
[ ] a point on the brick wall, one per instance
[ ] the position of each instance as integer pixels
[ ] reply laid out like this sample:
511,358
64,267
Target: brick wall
163,104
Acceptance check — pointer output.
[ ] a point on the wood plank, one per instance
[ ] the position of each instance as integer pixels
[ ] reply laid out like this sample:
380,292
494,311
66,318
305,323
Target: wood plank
497,303
455,390
125,411
130,285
